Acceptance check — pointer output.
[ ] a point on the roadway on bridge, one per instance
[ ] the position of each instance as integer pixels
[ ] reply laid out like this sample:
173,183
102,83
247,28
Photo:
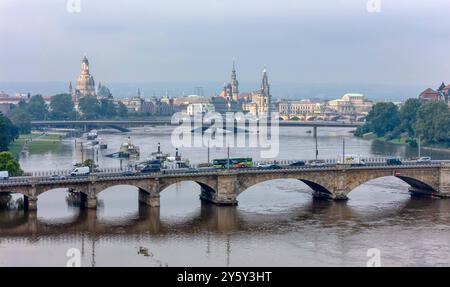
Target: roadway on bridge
278,168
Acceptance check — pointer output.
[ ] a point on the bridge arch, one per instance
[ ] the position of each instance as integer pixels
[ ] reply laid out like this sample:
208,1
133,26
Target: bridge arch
418,183
207,189
319,186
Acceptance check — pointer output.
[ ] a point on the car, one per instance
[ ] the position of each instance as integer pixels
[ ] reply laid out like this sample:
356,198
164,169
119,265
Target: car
275,166
424,159
269,166
128,173
298,163
263,165
318,162
4,175
57,177
151,168
393,161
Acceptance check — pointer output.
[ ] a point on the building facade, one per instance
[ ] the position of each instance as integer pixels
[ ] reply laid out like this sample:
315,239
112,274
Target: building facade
260,102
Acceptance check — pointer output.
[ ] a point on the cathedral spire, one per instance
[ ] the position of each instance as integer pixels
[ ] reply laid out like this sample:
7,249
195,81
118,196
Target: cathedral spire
234,84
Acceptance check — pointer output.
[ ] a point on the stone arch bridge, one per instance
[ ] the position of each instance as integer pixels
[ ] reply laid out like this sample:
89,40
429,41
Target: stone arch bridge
222,187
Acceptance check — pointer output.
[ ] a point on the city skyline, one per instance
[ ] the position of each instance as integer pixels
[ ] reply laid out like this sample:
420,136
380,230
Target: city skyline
175,42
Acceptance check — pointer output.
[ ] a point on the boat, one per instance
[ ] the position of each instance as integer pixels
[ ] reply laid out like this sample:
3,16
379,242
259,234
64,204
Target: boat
128,148
92,135
175,162
102,144
159,155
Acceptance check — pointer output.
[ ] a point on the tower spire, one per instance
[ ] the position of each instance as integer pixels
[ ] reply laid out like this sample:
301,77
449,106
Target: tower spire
234,84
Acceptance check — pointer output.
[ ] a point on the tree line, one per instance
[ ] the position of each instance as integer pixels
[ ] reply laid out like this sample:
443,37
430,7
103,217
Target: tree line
428,120
8,133
61,107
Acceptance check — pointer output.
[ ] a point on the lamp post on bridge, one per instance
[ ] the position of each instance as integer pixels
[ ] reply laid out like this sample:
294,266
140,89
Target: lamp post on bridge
343,150
228,157
418,146
315,138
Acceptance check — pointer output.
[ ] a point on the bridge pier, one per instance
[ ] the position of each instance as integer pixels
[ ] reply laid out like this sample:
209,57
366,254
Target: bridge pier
151,199
444,180
226,192
30,203
90,202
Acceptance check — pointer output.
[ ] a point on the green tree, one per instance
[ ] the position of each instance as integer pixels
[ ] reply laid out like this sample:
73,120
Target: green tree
9,163
62,107
122,110
432,123
107,108
36,108
22,104
8,132
408,115
383,118
21,120
89,107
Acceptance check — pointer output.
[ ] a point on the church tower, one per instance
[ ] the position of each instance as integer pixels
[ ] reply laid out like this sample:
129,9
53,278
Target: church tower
70,89
85,82
265,93
234,85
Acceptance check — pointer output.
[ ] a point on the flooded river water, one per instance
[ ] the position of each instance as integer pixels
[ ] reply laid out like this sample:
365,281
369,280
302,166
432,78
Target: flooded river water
277,223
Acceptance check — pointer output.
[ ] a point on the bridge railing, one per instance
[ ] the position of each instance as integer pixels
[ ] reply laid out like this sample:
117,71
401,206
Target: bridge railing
381,160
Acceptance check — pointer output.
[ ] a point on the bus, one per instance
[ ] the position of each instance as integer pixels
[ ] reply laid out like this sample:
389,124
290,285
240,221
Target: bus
240,162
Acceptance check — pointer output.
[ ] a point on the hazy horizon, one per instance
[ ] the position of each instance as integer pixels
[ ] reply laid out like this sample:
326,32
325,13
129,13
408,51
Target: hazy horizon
302,43
279,91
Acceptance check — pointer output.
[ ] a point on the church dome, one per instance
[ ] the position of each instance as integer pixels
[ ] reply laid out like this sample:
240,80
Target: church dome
104,92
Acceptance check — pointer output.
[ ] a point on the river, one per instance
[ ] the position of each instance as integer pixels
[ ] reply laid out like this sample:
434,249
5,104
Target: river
277,223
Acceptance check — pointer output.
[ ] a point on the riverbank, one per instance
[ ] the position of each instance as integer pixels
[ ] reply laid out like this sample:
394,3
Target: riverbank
403,140
36,143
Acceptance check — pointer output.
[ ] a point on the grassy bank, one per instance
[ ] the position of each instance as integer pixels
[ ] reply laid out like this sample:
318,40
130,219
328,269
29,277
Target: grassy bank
400,140
403,140
37,143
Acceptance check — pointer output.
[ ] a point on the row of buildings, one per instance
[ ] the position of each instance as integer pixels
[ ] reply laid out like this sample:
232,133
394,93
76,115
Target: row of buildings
85,86
258,102
441,94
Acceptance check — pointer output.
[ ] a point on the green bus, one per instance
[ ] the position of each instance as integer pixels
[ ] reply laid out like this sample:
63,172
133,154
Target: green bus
240,162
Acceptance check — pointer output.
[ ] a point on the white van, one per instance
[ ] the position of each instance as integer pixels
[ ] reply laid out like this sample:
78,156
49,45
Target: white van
82,170
354,160
4,175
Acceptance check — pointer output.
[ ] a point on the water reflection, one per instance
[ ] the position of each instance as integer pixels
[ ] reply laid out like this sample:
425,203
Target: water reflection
277,223
219,219
145,221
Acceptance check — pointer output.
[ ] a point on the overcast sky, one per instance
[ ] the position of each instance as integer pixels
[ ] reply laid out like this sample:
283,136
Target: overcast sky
314,41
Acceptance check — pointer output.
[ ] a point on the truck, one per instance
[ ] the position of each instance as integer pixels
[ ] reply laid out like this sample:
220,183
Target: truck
4,175
353,160
82,170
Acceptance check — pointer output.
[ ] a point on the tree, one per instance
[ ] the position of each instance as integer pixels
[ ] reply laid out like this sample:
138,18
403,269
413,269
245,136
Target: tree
408,115
9,163
107,108
383,118
90,107
122,110
21,120
36,108
22,104
432,123
8,132
62,107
